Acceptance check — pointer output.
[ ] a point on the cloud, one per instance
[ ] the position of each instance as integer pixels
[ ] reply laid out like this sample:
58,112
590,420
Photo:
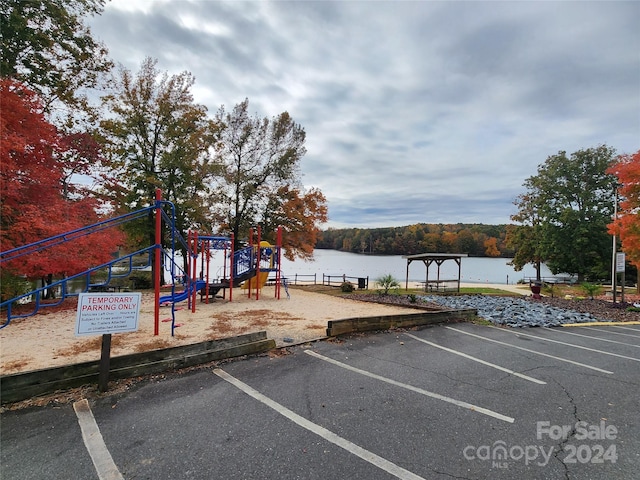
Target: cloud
414,111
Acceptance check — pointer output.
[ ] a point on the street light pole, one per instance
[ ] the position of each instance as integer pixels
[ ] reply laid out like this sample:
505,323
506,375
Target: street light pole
614,275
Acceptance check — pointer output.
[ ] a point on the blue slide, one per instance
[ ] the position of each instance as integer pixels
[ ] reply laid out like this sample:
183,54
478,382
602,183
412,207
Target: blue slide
179,297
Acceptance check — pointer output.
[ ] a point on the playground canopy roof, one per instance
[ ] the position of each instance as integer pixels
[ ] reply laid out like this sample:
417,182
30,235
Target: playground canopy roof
439,259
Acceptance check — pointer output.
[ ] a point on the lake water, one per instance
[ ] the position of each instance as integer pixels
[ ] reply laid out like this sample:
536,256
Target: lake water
473,269
335,264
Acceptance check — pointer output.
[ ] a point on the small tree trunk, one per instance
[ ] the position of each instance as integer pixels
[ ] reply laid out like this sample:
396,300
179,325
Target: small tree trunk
45,292
48,292
52,293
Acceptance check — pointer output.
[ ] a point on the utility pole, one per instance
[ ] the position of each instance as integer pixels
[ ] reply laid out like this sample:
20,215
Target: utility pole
614,274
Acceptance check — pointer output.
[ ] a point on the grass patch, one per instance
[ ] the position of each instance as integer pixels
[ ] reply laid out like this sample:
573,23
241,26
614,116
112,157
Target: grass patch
336,292
484,291
333,291
481,321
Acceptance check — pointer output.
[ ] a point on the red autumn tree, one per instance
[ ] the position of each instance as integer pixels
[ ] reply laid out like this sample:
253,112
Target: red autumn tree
34,188
627,224
27,153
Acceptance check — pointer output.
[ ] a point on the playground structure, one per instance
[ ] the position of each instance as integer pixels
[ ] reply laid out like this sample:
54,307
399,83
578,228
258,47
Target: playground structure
248,267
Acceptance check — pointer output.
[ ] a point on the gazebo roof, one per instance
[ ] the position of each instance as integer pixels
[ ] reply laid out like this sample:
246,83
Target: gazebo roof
434,256
439,259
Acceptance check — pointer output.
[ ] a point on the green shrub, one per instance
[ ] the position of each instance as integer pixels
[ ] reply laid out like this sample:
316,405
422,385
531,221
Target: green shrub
412,298
387,282
12,286
591,289
551,289
141,280
347,287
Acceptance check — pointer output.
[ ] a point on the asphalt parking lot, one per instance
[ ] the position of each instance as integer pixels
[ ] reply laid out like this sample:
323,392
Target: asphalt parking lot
458,401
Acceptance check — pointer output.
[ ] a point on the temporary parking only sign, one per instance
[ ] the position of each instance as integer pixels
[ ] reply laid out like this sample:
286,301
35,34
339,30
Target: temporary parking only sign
102,313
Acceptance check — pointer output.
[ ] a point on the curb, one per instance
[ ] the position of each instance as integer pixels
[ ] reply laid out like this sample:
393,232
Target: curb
367,324
599,324
21,386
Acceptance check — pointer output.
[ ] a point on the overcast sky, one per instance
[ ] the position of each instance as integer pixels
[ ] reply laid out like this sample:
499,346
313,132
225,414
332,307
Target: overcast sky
421,111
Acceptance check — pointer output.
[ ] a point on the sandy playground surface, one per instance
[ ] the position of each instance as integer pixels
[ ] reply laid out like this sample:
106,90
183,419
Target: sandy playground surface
48,340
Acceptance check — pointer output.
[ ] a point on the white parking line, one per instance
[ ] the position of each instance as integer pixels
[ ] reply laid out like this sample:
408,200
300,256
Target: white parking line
555,330
475,359
570,345
531,351
627,328
608,330
328,435
100,456
437,396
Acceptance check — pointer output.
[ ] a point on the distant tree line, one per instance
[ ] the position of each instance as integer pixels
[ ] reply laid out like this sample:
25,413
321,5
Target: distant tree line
476,240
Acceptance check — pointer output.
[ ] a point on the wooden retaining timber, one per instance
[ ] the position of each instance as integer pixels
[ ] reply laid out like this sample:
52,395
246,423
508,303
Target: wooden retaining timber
367,324
20,386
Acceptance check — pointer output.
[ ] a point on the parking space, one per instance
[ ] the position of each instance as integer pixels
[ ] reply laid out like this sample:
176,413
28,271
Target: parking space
462,401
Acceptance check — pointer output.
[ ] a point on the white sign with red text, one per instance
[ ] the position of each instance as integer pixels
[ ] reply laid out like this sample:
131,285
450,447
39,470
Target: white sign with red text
101,313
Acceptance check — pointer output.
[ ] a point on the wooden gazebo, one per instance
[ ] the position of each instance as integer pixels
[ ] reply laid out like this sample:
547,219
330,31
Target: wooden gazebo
438,284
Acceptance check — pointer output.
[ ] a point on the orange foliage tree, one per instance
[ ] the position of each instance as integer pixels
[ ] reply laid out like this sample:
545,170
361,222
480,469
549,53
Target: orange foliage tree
33,193
627,224
300,214
491,246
